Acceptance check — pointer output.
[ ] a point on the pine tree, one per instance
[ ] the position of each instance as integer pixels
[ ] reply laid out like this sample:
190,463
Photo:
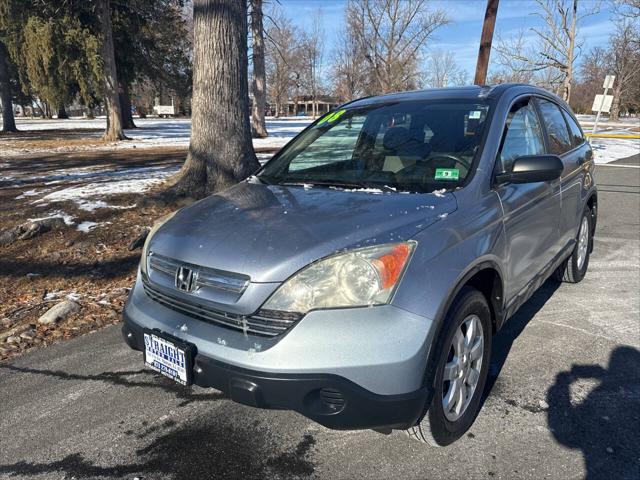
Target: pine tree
151,43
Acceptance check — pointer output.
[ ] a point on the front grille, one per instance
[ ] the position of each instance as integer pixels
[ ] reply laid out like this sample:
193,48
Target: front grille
205,277
264,323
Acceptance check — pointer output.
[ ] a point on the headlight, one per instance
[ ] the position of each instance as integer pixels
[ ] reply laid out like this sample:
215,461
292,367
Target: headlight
145,250
362,277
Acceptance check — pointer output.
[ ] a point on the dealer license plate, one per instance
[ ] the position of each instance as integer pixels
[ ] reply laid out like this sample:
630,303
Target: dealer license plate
169,357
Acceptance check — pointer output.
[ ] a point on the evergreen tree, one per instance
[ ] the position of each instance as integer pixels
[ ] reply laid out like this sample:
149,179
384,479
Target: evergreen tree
151,42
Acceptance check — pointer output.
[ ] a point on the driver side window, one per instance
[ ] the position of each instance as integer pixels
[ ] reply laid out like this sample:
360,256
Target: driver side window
522,135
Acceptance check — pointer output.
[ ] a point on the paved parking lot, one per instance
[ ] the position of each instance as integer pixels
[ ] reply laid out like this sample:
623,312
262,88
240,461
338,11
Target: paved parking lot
563,400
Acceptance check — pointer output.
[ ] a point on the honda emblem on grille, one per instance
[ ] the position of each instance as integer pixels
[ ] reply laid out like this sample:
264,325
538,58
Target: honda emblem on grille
186,279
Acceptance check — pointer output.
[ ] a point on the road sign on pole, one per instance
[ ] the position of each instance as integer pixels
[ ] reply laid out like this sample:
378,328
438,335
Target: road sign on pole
608,81
602,100
600,105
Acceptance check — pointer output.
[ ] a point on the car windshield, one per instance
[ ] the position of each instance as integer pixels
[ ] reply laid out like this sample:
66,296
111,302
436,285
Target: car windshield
418,146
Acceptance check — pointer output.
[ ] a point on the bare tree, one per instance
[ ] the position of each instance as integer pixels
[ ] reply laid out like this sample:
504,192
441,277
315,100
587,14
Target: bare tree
8,121
590,75
627,8
258,85
624,57
514,59
349,69
313,47
220,149
443,71
551,54
109,77
392,35
283,59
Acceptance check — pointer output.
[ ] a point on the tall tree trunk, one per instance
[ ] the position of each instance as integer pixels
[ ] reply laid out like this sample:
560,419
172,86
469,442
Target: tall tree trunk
125,106
220,150
62,113
568,79
109,78
258,86
8,121
614,113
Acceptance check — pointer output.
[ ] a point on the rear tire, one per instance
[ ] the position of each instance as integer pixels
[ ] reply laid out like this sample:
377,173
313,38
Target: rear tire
460,371
574,268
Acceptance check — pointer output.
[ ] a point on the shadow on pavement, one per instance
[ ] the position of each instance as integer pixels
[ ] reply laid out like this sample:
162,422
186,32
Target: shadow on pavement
124,379
511,330
208,448
605,424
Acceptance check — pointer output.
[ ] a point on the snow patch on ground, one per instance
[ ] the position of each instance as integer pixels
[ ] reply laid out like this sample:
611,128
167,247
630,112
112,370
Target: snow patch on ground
607,150
153,132
32,193
87,226
86,195
68,219
64,175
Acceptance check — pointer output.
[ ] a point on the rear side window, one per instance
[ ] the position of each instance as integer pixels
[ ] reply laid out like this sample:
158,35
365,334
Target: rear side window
559,140
576,134
522,135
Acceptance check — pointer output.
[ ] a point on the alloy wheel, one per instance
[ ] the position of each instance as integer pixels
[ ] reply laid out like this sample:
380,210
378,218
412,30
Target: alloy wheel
583,242
462,370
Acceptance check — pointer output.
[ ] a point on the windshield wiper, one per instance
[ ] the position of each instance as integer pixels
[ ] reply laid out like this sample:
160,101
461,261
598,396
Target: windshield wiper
339,184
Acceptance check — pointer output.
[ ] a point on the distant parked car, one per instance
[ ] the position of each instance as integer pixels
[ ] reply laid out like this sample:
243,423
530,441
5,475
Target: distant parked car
359,276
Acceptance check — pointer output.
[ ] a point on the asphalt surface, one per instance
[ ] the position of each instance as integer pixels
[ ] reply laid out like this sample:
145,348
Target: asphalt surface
563,403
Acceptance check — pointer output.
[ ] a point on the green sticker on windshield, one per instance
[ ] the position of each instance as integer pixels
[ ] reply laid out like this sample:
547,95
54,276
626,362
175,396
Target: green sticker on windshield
331,117
447,174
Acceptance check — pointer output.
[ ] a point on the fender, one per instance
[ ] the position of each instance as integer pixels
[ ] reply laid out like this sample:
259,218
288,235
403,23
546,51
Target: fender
496,303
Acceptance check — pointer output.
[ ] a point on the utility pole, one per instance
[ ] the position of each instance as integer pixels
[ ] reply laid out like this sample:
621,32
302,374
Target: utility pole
485,42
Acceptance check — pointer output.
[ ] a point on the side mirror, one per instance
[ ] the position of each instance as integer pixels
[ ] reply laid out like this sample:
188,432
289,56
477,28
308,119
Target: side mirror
532,169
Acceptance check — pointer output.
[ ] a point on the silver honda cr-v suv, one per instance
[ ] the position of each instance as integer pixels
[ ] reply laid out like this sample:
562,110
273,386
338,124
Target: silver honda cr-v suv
359,276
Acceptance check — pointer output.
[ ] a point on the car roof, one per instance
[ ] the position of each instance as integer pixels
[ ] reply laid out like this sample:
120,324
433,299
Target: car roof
473,92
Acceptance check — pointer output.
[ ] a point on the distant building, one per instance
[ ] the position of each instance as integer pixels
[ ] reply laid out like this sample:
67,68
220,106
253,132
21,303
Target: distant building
303,106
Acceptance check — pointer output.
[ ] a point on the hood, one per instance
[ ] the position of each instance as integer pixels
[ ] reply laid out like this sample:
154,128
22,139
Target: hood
270,231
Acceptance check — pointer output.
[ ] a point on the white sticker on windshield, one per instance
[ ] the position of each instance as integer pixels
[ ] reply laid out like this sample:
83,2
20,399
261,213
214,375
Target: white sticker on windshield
474,115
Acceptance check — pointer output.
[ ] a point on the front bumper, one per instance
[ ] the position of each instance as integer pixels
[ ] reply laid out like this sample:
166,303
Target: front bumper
330,400
382,349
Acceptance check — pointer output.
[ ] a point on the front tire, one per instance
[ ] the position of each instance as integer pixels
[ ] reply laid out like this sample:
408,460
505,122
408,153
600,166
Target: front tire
574,268
462,359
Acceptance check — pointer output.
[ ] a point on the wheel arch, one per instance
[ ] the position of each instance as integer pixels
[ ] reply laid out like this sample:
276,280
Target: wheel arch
592,204
485,276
